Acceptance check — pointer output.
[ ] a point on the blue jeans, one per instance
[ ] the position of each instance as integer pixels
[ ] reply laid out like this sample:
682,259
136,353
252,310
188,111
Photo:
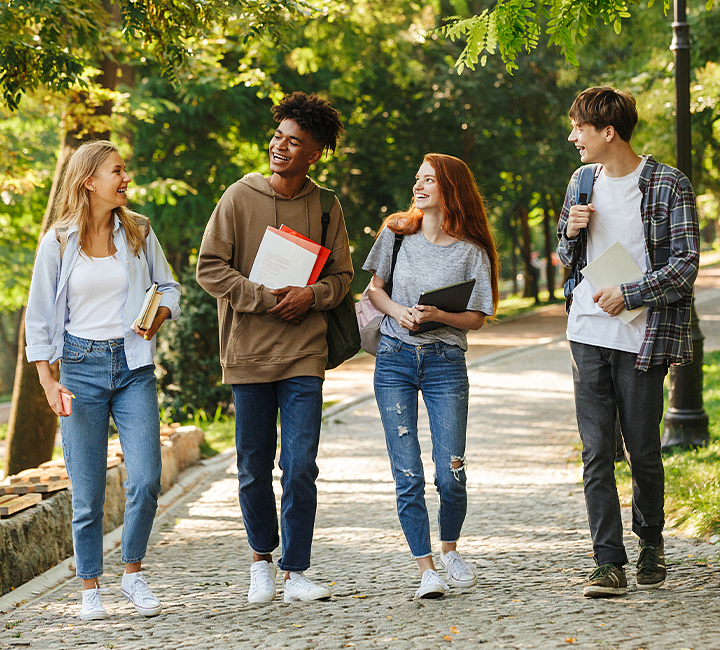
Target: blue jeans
299,400
439,371
607,386
98,375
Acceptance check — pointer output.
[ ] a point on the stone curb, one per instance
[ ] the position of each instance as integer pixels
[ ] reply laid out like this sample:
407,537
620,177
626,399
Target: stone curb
38,587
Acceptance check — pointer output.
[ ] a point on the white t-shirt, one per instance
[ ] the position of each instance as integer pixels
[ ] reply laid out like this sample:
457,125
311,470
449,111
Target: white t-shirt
617,217
97,293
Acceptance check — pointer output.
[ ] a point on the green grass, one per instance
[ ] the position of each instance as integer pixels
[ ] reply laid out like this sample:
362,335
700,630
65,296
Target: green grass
692,477
220,432
515,304
219,436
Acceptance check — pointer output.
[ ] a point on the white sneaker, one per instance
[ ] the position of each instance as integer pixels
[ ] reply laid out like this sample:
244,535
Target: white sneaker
431,586
92,608
299,588
458,572
262,582
136,590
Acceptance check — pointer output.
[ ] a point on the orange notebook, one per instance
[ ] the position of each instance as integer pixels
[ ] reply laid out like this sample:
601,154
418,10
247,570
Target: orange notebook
322,252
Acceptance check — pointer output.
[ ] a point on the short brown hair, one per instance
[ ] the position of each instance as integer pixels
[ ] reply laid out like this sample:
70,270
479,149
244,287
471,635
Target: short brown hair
603,106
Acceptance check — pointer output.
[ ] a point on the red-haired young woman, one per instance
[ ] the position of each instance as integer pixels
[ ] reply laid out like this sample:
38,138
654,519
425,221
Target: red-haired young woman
446,240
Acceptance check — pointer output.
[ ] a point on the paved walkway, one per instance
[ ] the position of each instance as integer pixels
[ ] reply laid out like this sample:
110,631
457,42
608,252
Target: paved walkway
526,531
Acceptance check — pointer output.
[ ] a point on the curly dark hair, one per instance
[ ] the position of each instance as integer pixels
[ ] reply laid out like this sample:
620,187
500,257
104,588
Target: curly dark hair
312,114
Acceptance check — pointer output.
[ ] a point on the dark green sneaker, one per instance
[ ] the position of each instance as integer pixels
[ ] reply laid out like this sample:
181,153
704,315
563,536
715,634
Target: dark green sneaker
651,569
606,580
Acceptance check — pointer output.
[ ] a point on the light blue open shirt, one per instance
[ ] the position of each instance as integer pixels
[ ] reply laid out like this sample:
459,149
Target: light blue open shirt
47,311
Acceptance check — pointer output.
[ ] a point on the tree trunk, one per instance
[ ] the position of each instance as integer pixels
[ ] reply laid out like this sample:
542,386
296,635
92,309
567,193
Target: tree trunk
531,273
9,329
33,424
550,239
510,226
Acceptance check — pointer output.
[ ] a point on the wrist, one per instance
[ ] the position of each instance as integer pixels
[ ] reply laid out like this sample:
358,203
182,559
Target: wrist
47,382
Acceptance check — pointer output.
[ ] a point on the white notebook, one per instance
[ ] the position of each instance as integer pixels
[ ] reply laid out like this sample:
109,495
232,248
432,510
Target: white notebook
280,262
611,269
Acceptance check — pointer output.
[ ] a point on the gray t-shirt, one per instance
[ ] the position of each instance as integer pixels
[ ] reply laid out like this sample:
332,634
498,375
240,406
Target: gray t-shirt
422,266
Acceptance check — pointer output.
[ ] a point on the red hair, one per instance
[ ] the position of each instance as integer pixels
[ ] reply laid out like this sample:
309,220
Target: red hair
463,209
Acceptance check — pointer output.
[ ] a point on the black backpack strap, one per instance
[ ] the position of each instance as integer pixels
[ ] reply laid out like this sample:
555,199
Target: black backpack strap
396,249
327,202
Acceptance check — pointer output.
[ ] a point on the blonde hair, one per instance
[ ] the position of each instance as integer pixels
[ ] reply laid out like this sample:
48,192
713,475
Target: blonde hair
73,202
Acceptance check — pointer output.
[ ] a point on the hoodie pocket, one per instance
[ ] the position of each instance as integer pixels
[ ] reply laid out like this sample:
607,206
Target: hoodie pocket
230,344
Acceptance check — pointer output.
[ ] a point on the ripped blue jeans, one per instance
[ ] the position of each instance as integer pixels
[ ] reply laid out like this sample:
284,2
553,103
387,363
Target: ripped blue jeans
439,371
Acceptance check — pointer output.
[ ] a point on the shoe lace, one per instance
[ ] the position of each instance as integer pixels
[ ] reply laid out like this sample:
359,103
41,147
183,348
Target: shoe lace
264,577
457,566
301,582
602,572
648,559
91,597
433,576
141,590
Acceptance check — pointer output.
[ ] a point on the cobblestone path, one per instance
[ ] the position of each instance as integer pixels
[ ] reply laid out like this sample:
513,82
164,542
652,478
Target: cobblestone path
526,531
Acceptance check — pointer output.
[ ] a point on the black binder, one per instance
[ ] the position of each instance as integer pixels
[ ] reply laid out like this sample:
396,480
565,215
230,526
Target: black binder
453,298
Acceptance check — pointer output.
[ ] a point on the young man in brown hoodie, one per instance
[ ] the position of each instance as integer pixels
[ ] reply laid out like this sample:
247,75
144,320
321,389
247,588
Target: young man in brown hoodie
272,342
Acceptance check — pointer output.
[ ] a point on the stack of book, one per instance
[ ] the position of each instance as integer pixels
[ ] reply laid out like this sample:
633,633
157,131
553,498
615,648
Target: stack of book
287,259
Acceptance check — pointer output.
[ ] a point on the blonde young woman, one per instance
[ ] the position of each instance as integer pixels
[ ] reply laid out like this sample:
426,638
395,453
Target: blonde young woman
90,277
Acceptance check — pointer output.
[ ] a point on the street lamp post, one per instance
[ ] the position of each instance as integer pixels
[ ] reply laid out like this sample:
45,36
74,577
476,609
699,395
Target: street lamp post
686,423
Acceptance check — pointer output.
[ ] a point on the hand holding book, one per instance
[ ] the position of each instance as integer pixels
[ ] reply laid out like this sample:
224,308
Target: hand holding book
286,258
149,307
151,315
611,269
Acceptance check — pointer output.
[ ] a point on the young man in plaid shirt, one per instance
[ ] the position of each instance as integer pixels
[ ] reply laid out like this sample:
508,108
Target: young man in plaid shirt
618,369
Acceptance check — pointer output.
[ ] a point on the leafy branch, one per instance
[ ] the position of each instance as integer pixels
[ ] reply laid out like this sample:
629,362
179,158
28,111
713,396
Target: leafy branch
514,26
51,42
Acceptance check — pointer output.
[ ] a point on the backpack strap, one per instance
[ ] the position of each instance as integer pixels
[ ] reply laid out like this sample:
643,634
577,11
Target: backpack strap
583,192
396,249
327,203
143,224
586,180
61,236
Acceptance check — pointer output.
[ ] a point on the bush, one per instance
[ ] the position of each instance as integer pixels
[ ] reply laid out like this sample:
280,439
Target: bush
190,381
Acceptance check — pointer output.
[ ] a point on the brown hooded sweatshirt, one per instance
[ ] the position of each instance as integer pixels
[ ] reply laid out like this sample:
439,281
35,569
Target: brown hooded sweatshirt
257,347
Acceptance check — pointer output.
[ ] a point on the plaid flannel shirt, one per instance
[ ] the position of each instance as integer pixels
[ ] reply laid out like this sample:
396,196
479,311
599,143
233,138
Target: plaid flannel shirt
670,226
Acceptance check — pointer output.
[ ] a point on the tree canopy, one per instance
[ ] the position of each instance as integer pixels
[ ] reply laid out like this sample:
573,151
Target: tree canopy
52,43
189,105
